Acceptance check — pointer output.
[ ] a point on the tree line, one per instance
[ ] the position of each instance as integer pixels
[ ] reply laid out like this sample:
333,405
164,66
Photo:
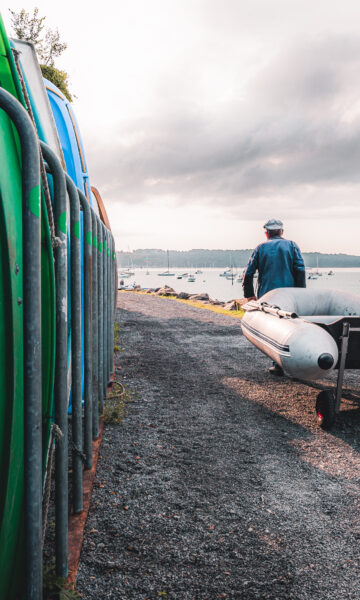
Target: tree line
221,258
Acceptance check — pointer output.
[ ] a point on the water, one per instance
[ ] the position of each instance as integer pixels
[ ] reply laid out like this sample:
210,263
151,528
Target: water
347,280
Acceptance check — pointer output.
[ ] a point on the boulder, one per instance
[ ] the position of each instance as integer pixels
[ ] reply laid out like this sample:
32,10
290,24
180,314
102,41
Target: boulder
242,301
199,297
183,296
166,290
231,305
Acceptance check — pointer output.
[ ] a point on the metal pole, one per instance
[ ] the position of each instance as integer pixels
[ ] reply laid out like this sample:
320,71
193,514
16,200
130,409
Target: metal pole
101,317
343,354
113,298
76,392
106,311
60,385
88,400
110,353
95,328
32,341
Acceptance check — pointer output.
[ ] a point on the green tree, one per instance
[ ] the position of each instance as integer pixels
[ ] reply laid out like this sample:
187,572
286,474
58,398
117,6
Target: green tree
48,45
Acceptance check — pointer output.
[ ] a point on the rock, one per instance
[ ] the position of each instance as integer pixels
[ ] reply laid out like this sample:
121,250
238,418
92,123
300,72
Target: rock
199,297
183,296
231,305
137,287
242,301
166,290
217,302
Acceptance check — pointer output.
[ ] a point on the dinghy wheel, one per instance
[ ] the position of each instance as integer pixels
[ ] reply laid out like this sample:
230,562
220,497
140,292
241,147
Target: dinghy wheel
325,409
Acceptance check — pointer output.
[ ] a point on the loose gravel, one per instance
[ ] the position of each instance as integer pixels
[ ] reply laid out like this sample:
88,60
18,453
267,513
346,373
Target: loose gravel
218,483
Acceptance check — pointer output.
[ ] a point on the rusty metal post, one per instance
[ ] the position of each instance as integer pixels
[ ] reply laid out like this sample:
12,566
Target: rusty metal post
60,385
88,363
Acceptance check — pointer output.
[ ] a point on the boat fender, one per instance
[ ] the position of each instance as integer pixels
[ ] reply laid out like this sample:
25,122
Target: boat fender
325,361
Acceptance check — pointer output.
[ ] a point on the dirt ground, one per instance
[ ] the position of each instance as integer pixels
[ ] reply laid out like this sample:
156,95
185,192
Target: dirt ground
218,483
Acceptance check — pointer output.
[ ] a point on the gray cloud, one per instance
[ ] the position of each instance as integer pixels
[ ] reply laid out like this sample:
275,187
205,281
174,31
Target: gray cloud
296,126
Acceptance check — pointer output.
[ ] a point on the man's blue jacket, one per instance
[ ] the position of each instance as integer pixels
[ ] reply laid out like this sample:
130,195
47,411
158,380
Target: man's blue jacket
279,263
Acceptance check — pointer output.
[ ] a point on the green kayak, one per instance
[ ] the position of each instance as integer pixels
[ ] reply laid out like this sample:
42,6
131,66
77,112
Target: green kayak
11,337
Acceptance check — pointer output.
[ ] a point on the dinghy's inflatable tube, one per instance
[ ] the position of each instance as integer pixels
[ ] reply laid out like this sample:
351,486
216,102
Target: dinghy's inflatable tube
300,345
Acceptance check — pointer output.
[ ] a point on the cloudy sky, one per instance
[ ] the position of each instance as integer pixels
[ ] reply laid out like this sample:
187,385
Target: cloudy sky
201,119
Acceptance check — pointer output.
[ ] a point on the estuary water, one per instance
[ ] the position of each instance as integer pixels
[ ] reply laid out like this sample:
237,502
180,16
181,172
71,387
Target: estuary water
220,288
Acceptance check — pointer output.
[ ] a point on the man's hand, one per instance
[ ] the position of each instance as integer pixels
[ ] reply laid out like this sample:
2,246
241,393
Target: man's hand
251,298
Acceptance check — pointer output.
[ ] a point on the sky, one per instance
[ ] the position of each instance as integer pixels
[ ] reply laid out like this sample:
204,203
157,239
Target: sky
202,119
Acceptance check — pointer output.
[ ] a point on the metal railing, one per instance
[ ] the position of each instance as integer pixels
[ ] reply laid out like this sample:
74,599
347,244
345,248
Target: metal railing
31,340
98,273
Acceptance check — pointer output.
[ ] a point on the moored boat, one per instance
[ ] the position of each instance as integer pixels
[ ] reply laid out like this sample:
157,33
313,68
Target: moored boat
225,273
167,272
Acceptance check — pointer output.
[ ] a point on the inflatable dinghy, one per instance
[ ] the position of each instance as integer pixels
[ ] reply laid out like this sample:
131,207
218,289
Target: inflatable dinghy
308,333
283,325
294,327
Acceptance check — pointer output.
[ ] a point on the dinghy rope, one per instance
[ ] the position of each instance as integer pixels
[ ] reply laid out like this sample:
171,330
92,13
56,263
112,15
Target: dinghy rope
272,309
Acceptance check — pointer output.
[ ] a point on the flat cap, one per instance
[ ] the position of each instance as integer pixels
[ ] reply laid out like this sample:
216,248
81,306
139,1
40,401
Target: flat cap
272,224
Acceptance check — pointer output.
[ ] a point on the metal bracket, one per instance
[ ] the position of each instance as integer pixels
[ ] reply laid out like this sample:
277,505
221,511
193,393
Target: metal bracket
343,354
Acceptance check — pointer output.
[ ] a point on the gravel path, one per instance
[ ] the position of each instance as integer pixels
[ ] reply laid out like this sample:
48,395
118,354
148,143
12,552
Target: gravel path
218,483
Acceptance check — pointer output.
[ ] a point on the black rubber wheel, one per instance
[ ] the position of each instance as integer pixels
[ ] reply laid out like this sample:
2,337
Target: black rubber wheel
325,409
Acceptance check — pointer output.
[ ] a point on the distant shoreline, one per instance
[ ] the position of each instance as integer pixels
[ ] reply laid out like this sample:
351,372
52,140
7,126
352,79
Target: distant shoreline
221,259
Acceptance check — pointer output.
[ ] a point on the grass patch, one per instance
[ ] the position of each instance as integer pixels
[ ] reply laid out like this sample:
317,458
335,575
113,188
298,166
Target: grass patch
116,403
117,329
237,314
57,588
216,309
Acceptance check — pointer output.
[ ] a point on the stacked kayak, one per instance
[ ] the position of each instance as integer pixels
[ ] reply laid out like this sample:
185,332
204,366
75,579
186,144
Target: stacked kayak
12,333
56,341
57,126
73,152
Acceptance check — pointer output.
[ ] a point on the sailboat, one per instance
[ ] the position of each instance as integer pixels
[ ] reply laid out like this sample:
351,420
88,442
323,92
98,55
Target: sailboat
317,267
231,276
167,273
315,274
127,272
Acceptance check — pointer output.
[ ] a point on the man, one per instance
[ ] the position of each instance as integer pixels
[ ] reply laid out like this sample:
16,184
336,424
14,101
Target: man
279,264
